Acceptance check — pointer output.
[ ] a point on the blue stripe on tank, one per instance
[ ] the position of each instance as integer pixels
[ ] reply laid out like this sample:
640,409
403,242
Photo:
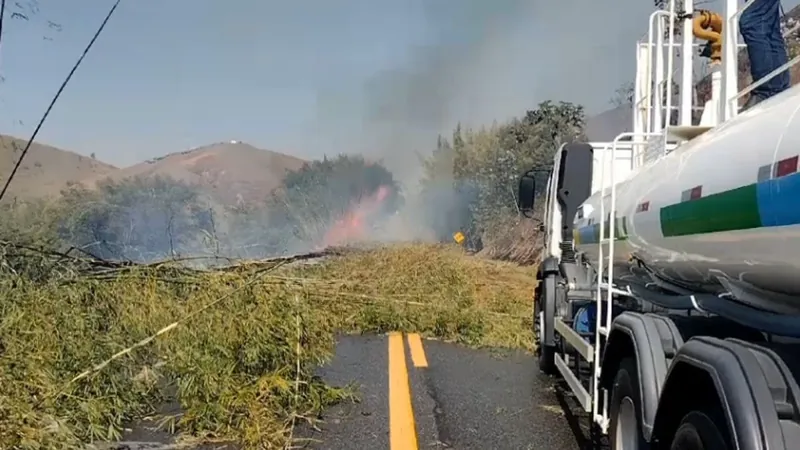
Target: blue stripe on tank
779,201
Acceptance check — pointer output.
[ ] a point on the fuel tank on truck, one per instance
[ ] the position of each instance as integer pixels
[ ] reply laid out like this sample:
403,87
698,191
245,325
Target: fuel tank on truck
721,213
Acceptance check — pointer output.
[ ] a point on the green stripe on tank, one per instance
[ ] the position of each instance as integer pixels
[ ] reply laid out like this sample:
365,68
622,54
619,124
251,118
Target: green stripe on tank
736,209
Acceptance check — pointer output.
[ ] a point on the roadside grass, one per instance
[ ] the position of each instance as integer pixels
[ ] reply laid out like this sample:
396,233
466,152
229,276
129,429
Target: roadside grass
236,348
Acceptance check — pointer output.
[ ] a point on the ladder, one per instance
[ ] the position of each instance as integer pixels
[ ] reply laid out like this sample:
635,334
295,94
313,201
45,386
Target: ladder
604,285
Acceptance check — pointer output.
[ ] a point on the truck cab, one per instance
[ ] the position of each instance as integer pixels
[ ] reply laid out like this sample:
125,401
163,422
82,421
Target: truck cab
654,362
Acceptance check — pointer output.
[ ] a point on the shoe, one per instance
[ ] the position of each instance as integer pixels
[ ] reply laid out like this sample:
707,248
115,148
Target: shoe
752,101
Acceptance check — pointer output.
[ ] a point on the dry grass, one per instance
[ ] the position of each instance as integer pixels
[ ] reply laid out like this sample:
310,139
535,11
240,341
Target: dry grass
435,290
241,359
514,239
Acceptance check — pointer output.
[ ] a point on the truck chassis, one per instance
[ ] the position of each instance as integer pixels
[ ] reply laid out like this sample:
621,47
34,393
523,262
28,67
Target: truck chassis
663,368
658,366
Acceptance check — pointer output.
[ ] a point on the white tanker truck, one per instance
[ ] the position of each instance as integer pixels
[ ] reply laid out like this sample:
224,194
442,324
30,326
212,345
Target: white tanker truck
669,293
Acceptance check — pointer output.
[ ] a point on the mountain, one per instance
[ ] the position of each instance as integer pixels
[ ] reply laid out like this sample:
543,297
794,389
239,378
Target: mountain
46,170
231,172
607,125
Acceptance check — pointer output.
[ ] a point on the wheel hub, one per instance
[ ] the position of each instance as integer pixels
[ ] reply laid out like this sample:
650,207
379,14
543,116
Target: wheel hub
626,433
541,328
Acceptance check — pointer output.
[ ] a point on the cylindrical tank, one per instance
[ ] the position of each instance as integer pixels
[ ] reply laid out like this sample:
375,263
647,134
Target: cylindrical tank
725,205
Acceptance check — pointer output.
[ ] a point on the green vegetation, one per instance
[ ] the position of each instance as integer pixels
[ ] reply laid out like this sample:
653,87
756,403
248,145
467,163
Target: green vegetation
313,199
138,219
477,171
96,336
146,219
240,360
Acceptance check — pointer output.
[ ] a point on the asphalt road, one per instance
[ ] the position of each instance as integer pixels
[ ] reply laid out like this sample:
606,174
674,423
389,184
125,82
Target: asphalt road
453,397
417,394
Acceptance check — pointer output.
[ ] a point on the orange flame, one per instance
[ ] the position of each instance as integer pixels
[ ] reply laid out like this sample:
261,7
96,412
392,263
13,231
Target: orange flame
352,226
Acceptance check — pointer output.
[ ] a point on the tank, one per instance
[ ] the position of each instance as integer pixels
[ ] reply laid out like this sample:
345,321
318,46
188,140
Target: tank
721,213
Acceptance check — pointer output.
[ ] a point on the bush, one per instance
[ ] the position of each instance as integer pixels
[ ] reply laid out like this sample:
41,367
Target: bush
137,219
328,202
480,169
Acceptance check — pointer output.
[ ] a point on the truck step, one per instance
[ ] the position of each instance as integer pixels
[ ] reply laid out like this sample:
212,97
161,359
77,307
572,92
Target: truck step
678,133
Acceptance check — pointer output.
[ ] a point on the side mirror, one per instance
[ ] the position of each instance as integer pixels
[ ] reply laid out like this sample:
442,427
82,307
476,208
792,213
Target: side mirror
527,191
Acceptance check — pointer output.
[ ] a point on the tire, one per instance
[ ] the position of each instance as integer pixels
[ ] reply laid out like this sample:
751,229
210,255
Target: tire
697,431
537,320
546,353
547,360
625,427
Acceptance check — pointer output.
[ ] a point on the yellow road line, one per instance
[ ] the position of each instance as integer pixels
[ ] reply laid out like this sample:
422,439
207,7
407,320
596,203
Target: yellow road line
417,350
402,430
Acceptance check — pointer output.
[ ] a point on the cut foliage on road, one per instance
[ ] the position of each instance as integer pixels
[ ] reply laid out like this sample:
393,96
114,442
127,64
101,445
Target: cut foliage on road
89,347
434,290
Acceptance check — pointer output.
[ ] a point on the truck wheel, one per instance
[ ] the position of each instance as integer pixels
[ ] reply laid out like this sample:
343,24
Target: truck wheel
625,430
547,360
698,432
547,353
538,337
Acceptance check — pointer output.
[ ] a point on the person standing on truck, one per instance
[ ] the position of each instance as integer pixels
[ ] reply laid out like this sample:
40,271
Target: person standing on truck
760,25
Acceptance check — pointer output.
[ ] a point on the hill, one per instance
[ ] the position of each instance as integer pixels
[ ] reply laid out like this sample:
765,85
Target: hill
46,170
230,172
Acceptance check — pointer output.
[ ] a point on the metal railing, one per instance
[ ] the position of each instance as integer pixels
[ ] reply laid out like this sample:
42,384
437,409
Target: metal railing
732,25
604,305
653,101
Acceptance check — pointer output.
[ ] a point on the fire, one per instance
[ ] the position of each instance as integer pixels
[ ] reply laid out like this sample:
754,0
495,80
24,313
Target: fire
352,226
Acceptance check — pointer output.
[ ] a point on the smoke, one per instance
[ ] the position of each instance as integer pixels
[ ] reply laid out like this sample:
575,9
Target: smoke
484,62
481,61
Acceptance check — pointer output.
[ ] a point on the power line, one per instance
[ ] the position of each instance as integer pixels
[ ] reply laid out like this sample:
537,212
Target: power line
58,94
2,16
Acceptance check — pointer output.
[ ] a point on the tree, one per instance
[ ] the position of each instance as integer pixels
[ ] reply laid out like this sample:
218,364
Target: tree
487,163
623,95
139,219
444,205
314,200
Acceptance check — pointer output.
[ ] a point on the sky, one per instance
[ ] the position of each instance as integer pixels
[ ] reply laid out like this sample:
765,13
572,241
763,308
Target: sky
303,77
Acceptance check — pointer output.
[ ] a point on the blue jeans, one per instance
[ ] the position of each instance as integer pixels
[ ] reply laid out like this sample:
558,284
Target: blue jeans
761,29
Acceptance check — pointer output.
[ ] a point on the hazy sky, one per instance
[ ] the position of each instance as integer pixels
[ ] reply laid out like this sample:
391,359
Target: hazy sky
305,77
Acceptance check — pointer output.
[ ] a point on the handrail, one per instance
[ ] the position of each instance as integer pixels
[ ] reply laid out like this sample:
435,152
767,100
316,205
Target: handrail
670,61
739,13
611,236
655,94
791,30
765,79
655,102
772,74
